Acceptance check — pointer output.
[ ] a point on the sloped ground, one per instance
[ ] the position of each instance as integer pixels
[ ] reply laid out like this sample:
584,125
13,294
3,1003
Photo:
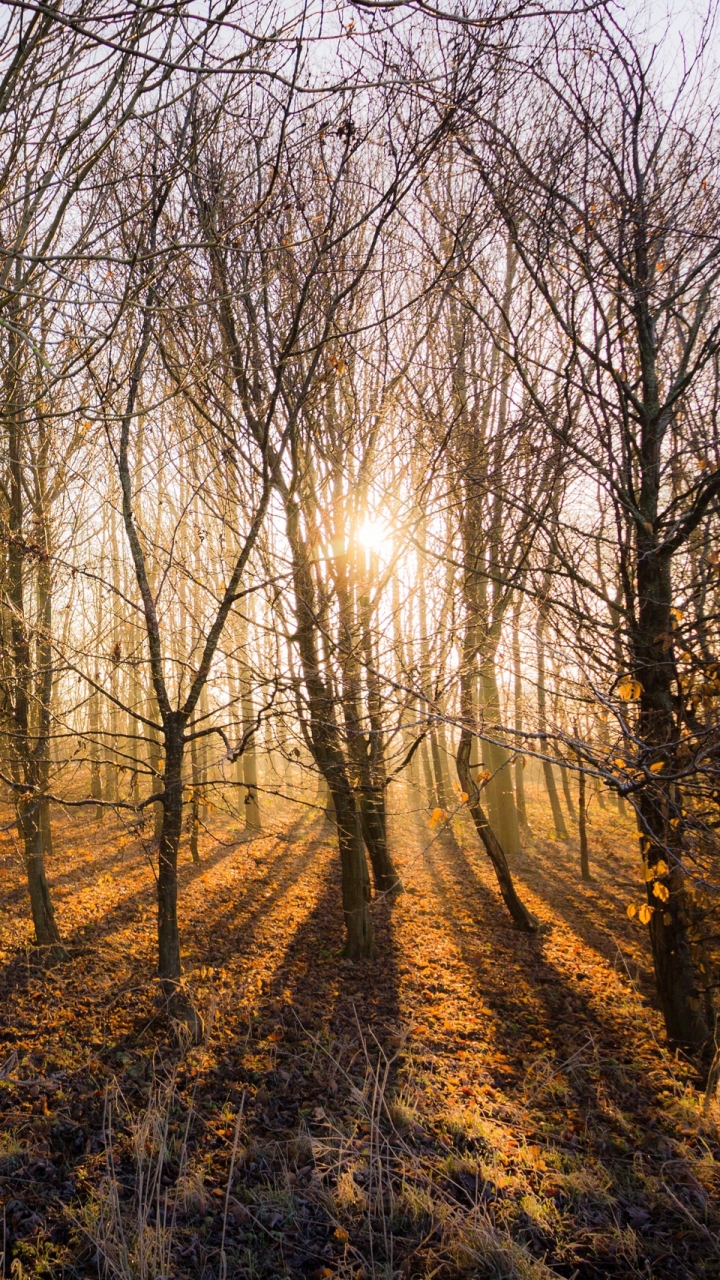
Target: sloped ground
474,1102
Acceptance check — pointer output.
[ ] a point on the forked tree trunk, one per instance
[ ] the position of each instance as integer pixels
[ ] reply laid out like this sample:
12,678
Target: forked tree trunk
364,749
326,746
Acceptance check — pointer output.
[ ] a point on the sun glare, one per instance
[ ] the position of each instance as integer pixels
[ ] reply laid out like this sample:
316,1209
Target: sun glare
374,534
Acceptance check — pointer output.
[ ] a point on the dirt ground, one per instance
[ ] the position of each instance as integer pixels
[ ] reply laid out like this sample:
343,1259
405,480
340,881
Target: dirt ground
473,1102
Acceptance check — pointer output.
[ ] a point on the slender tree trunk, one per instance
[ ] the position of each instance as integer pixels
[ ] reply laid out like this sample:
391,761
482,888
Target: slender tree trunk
523,918
370,800
253,822
153,752
569,802
94,725
518,691
439,793
498,763
194,801
560,828
327,750
134,724
427,774
582,827
202,753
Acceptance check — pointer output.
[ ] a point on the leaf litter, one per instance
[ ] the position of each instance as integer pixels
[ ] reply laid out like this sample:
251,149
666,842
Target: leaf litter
475,1102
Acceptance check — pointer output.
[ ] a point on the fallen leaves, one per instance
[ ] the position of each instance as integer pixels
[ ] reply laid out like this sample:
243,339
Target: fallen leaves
507,1051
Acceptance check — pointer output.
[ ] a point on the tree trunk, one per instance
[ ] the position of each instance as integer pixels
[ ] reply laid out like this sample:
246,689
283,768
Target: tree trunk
153,752
359,932
669,923
30,707
520,803
582,827
364,742
445,759
427,773
569,802
324,736
176,1001
440,788
95,776
523,918
253,823
497,761
194,801
47,934
560,828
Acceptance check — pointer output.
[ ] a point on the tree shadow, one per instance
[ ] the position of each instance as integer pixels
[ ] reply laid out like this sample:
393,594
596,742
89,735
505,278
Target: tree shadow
534,1003
554,876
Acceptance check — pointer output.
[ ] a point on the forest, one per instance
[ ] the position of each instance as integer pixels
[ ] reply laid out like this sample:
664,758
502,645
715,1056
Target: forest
359,640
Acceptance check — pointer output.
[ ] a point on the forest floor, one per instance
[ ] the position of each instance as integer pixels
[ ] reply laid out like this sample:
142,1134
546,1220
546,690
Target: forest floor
475,1102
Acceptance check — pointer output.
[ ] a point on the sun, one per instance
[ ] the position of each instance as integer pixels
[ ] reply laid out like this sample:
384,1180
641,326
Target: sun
374,534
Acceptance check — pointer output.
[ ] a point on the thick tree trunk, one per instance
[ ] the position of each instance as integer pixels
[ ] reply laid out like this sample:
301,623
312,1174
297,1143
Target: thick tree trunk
523,918
47,934
30,708
359,932
677,988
